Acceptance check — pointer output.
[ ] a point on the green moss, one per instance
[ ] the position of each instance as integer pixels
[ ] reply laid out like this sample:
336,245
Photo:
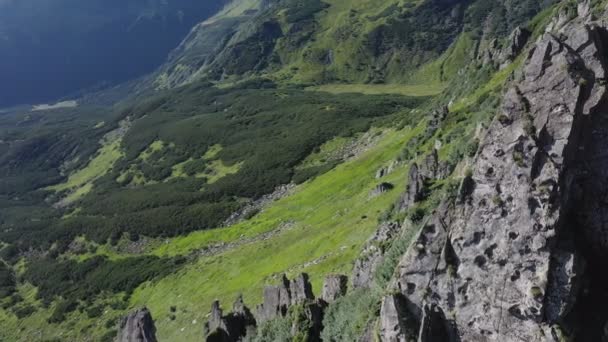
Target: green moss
518,158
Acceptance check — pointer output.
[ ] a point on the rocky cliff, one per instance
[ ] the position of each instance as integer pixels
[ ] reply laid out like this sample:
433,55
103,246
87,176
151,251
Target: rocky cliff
515,257
138,326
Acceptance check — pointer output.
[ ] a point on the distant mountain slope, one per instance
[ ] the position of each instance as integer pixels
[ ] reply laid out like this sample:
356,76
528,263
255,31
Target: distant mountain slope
50,49
337,41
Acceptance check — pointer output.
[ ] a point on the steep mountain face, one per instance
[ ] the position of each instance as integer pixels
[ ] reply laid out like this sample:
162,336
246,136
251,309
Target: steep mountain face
514,258
52,49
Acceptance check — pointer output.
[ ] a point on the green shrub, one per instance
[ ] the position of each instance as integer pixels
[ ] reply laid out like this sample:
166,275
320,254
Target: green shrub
417,214
518,158
346,318
84,280
109,336
7,280
472,148
277,330
24,311
95,311
60,311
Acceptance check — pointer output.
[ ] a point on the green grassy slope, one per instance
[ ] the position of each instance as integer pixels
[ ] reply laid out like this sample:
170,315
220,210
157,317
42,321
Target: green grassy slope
328,220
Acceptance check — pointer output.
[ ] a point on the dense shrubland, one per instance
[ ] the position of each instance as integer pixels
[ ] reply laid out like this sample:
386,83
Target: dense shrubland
267,132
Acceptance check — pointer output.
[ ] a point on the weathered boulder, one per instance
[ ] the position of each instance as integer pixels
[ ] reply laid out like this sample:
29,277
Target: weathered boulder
386,170
429,169
381,189
334,287
138,326
381,172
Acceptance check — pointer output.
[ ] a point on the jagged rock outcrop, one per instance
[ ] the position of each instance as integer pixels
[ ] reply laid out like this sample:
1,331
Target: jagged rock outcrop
506,264
293,299
301,289
309,320
381,188
414,189
232,327
138,326
278,299
386,170
501,56
437,118
372,254
516,43
428,170
334,287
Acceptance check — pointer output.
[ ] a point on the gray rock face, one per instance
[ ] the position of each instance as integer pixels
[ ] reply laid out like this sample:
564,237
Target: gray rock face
498,266
334,287
517,41
414,189
428,170
138,326
434,326
232,327
500,56
437,117
381,188
301,289
369,333
393,319
372,255
215,318
278,299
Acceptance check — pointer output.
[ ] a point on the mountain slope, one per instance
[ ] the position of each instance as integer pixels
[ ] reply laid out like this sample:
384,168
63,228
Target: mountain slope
249,163
365,41
52,49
